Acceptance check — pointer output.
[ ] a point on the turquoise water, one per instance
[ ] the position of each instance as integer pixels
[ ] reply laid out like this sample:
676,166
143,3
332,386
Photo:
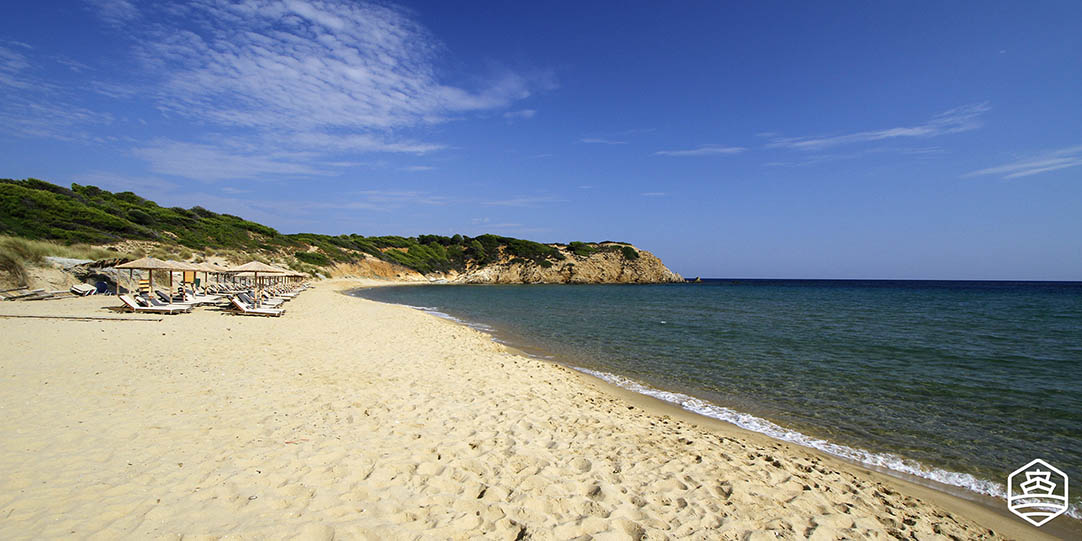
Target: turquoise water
959,382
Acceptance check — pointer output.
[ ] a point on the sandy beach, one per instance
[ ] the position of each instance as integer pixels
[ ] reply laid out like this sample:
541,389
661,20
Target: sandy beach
350,419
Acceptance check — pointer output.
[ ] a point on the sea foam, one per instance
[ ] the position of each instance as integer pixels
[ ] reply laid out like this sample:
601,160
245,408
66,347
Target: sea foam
750,422
885,461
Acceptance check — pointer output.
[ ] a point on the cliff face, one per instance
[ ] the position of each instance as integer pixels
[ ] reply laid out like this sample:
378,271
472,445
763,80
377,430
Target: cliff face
370,267
608,267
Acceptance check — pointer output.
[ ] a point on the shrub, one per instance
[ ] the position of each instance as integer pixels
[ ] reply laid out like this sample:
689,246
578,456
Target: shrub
581,249
313,258
630,253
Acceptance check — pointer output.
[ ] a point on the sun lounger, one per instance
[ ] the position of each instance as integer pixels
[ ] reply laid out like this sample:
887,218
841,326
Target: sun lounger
273,303
163,297
191,296
148,300
248,310
130,304
83,290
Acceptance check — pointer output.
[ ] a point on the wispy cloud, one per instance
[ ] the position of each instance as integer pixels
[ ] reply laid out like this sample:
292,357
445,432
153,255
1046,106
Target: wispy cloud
418,168
601,141
115,12
960,119
58,119
212,162
12,64
302,81
807,160
523,114
524,201
395,199
653,194
310,66
1044,162
702,150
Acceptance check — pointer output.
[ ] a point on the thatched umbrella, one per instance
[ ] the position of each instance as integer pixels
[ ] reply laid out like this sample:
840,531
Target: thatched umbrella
216,269
149,264
256,267
207,268
181,266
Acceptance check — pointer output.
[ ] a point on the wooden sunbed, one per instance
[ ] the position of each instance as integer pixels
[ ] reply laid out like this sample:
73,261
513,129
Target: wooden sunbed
244,309
130,304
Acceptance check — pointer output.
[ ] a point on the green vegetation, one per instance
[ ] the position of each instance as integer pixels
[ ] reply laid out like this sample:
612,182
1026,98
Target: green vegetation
313,258
581,249
63,222
630,253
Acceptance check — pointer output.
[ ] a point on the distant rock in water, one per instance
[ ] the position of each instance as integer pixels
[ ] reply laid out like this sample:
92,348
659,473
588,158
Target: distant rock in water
612,266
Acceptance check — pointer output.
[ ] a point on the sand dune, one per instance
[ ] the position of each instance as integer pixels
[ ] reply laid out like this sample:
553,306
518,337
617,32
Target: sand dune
349,419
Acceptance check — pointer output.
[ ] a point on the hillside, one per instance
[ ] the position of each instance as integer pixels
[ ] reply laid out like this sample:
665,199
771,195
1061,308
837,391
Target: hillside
131,225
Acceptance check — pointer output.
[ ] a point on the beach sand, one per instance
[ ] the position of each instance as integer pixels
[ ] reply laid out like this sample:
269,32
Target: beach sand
350,419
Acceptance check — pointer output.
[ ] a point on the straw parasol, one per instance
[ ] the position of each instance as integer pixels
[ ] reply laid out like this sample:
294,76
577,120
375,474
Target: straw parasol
180,266
149,264
256,267
206,269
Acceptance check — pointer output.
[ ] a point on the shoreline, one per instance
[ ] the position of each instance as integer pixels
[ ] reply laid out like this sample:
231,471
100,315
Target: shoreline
350,418
993,503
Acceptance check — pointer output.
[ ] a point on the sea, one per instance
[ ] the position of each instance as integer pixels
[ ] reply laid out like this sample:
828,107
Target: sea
958,383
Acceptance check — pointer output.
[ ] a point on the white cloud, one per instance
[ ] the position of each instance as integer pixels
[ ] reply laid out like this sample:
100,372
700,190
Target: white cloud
116,12
806,160
210,162
51,119
653,194
959,119
353,143
291,77
1047,161
703,150
418,168
601,141
524,201
12,65
400,198
310,66
523,114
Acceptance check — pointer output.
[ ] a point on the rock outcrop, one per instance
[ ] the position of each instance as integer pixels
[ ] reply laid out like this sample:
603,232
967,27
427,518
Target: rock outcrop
601,267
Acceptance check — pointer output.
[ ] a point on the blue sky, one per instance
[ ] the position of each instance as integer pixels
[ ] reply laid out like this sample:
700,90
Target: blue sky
817,140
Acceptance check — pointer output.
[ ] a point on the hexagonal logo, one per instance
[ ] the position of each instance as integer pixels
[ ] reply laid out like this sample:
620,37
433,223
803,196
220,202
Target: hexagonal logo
1037,492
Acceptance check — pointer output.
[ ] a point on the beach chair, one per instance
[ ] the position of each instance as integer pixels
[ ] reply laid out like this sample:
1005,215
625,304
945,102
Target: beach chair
131,305
190,296
83,290
272,303
248,310
149,300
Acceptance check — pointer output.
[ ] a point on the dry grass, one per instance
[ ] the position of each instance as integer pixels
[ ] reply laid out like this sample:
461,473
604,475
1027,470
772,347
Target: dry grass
16,254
